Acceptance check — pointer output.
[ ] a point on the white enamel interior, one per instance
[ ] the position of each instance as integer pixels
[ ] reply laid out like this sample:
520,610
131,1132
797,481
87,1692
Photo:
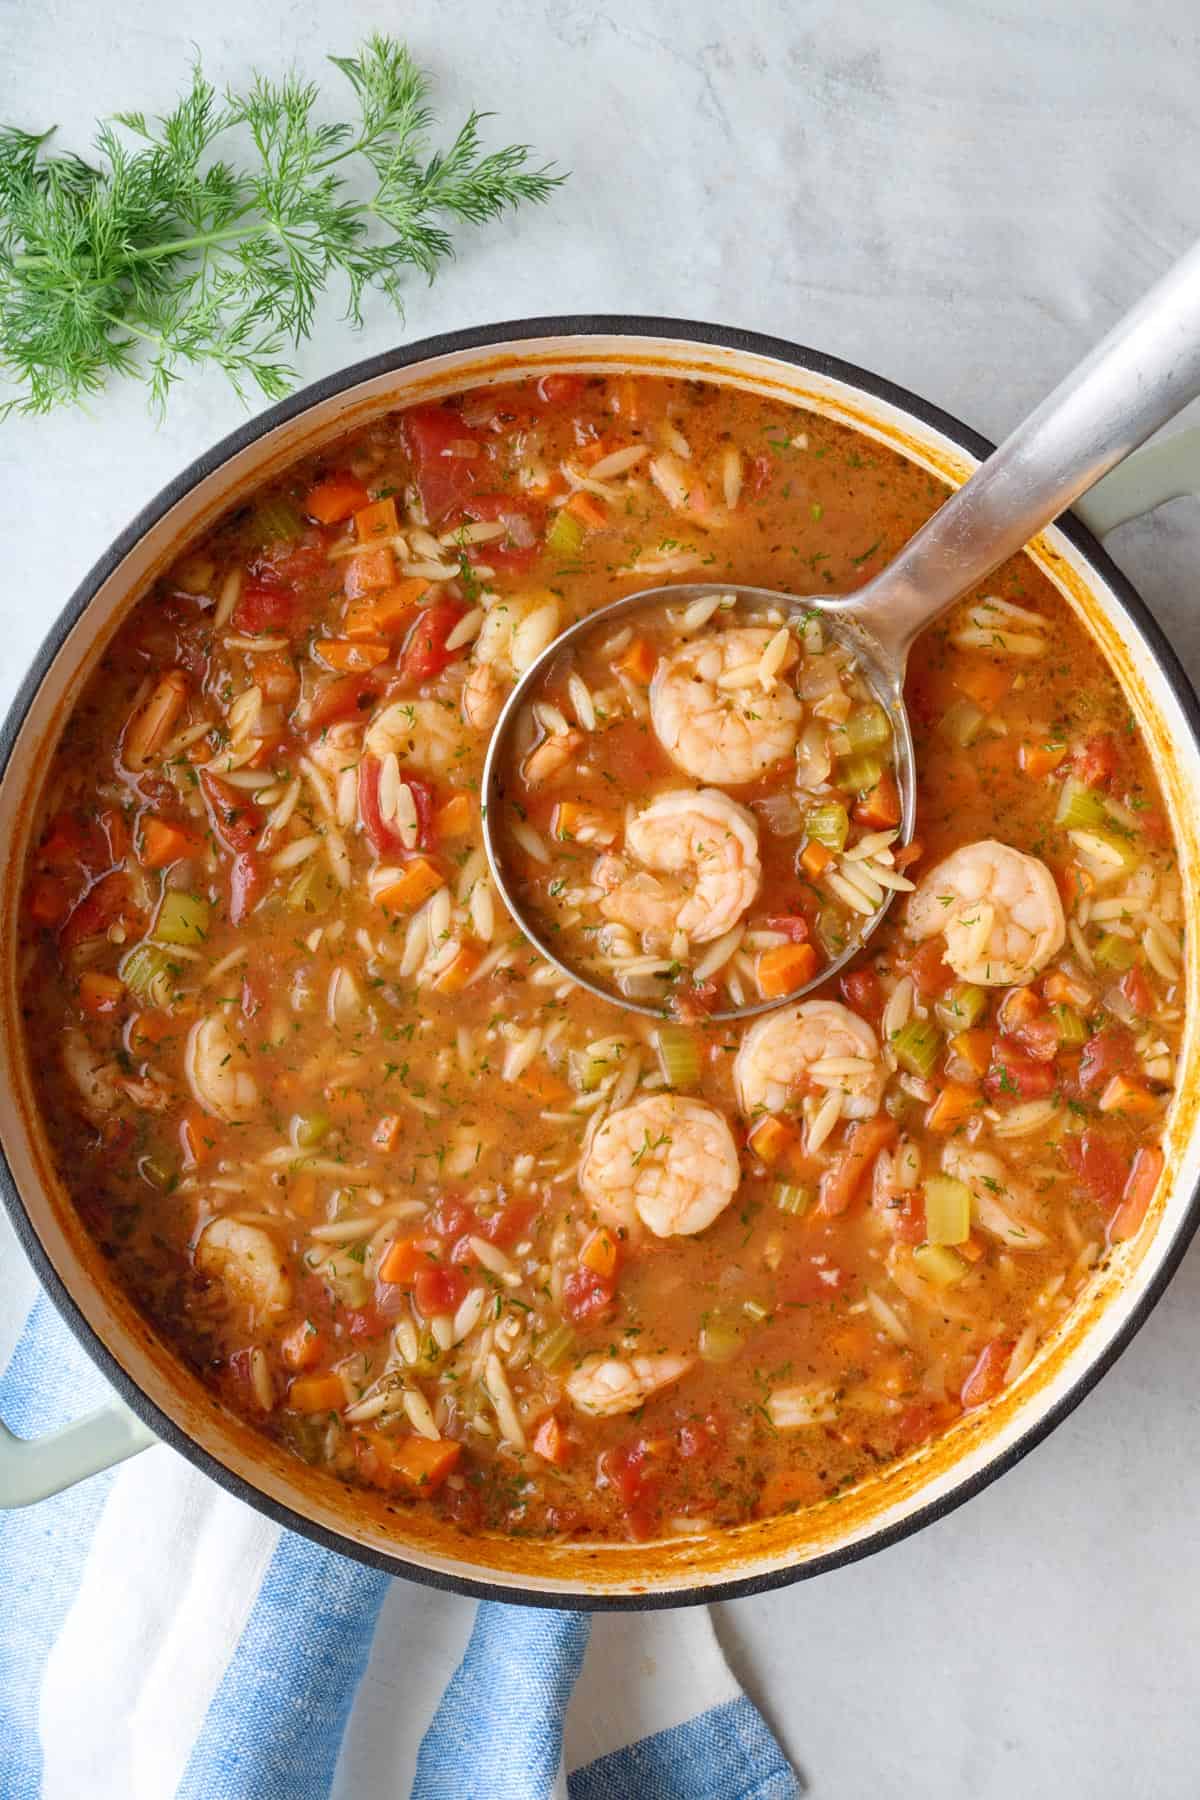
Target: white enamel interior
934,1476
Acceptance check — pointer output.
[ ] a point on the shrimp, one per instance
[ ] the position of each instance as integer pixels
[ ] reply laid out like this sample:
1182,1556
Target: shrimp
425,734
103,1087
248,1263
708,844
711,713
998,910
821,1041
670,1162
998,1198
603,1385
217,1070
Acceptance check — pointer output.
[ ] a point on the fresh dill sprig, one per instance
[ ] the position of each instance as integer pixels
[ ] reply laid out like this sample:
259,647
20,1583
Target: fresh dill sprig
166,255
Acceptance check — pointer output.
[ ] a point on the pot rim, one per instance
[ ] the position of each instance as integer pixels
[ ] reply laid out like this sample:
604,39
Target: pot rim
328,387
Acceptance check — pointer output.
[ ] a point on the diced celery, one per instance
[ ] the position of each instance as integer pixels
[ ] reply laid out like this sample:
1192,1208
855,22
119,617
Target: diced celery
947,1210
182,919
678,1055
565,537
755,1310
1080,808
961,1008
831,931
859,774
309,1128
1116,953
1072,1031
276,521
828,825
794,1200
551,1349
962,723
148,972
867,728
939,1264
312,890
917,1046
719,1340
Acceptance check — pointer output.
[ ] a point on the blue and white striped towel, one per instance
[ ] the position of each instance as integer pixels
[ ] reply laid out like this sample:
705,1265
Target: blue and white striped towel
160,1640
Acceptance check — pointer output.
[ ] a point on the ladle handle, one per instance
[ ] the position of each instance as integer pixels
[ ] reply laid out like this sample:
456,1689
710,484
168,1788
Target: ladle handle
1136,378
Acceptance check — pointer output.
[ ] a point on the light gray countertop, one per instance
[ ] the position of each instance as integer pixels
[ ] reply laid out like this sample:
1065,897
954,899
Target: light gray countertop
961,195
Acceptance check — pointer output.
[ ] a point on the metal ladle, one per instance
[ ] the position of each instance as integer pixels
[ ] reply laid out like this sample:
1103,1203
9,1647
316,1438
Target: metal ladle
1134,381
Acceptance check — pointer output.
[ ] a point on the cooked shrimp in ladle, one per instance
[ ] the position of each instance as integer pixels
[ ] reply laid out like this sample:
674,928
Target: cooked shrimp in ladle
700,867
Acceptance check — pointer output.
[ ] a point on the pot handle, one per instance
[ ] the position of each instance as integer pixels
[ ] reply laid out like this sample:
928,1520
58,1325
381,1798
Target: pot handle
34,1468
1148,478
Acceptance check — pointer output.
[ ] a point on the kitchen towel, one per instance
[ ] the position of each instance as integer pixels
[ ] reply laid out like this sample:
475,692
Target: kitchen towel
161,1640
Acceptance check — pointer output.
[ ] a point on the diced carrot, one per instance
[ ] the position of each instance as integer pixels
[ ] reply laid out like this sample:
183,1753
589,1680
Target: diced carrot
600,1253
815,859
116,831
543,1084
772,1139
99,994
591,453
49,900
388,1132
303,1346
276,674
388,615
972,1247
953,1107
316,1394
376,521
453,819
550,1442
455,976
588,511
350,655
335,499
1139,1191
1040,759
985,681
841,1183
369,572
163,844
973,1048
638,661
1125,1096
416,881
424,1462
403,1261
1060,990
196,1138
784,968
881,807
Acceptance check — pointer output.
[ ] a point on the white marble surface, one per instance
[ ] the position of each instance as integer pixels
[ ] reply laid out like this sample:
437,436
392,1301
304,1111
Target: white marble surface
962,194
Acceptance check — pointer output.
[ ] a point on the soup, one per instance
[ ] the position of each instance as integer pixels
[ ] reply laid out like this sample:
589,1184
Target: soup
433,1216
692,897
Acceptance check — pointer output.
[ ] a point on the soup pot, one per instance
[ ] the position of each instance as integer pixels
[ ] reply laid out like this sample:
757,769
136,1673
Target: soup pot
161,1399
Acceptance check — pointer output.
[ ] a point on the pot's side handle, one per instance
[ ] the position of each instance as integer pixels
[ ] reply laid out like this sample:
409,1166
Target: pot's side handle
34,1468
1151,476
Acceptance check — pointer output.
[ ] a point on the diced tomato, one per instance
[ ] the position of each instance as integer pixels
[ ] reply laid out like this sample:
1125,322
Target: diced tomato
987,1377
346,697
438,1289
630,1470
843,1180
1096,762
1107,1054
247,879
425,654
524,524
236,819
436,437
560,390
915,1424
106,901
1137,1193
907,1218
931,974
263,608
863,992
551,1442
585,1296
1099,1164
508,1223
1024,1020
1015,1076
362,1322
700,1437
1136,989
451,1218
384,836
810,1280
793,926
